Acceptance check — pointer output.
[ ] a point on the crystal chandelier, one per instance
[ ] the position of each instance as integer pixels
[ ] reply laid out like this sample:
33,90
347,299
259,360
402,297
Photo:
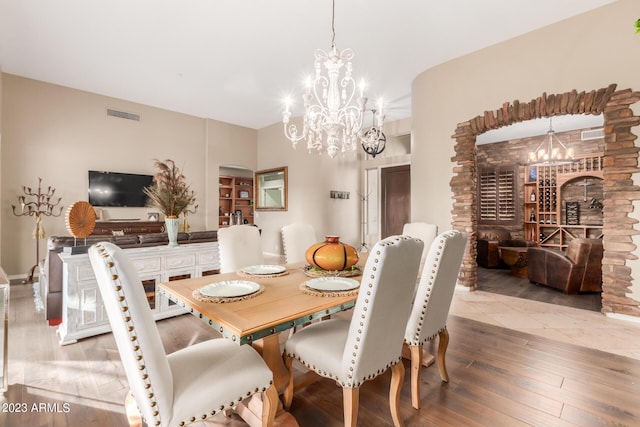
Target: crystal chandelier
330,104
548,155
374,140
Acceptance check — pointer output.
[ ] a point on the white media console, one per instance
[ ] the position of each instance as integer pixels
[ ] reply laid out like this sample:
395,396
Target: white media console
83,313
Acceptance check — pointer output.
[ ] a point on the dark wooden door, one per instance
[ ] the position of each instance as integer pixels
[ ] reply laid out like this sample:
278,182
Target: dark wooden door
395,199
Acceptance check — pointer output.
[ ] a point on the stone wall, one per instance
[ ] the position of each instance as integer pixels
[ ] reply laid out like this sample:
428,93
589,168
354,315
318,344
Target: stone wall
621,161
574,191
619,191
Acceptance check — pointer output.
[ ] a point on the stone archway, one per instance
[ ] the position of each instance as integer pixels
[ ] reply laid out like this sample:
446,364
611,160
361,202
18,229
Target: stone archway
620,162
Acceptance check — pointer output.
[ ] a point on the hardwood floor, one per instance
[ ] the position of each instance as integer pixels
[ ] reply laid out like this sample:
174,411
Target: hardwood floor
499,281
499,377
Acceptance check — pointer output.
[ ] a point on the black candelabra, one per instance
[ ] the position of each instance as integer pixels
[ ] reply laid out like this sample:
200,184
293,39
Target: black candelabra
37,204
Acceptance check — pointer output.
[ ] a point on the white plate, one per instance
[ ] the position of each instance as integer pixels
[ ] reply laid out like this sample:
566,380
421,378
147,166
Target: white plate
263,269
230,288
332,284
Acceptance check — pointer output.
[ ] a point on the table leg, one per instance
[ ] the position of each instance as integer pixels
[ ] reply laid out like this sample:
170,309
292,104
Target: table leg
251,411
519,267
269,349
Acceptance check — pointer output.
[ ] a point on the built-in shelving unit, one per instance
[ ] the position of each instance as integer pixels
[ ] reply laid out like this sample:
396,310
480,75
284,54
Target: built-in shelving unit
235,196
543,221
530,212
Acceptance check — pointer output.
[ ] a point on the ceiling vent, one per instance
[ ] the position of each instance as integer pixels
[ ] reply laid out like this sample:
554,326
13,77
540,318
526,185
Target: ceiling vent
123,115
586,135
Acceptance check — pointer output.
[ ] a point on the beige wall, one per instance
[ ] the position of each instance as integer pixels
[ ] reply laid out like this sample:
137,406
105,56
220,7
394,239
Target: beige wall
58,134
311,178
586,52
1,210
227,145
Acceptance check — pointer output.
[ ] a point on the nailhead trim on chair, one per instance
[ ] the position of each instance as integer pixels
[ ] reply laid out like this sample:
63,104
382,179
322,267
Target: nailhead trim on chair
136,348
416,337
124,309
349,383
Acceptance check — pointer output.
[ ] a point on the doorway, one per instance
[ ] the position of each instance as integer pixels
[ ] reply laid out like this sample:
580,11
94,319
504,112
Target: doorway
622,163
573,185
395,199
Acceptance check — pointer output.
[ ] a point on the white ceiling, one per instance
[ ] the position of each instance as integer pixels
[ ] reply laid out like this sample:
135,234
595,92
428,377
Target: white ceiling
236,60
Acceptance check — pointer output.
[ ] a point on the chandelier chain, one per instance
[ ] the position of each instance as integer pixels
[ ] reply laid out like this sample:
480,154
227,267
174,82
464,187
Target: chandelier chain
333,25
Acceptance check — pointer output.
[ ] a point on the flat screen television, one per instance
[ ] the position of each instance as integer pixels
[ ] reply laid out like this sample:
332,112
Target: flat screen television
118,189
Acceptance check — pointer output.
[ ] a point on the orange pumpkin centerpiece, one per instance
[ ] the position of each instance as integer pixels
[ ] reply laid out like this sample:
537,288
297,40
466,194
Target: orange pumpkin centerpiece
332,255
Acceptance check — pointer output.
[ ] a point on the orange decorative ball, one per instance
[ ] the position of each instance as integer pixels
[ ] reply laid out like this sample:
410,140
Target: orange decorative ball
332,254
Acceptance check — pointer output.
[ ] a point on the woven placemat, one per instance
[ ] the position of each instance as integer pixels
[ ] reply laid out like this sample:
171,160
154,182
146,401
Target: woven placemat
313,292
310,271
204,298
261,276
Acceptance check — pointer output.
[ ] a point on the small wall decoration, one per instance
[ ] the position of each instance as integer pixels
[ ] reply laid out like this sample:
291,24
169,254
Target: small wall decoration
339,194
153,216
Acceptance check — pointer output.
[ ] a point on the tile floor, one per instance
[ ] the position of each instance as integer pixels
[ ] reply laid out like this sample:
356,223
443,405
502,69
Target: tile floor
581,327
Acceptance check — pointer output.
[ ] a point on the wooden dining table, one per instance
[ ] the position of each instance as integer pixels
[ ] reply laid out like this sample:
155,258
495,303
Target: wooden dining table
259,320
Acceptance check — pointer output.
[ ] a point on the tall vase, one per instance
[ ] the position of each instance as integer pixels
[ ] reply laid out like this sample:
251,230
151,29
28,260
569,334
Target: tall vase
172,225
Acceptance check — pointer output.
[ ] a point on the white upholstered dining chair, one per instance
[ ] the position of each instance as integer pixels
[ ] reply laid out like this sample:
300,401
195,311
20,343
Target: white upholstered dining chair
352,352
296,239
190,384
240,247
430,310
423,231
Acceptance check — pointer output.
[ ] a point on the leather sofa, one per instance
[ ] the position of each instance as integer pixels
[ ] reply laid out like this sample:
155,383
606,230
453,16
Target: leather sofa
488,242
579,269
51,268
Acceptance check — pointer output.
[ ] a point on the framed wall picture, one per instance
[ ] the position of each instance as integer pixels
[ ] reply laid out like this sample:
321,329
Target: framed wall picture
153,216
244,194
